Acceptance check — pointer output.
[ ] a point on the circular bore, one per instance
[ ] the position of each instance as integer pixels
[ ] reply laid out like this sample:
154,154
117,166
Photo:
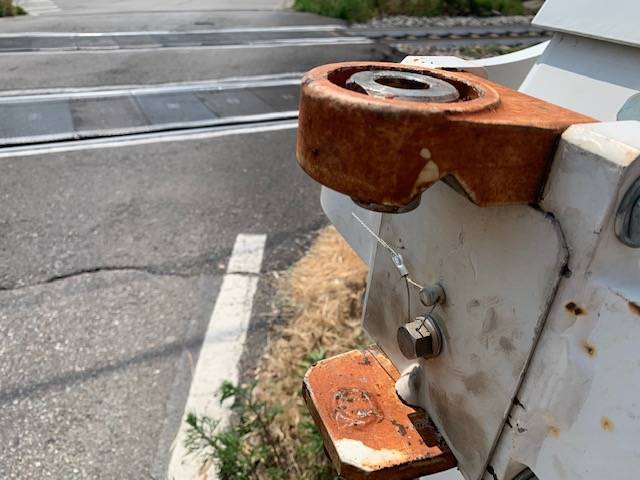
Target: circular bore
410,86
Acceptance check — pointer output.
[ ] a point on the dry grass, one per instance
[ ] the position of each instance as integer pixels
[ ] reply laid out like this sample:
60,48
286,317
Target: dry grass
322,297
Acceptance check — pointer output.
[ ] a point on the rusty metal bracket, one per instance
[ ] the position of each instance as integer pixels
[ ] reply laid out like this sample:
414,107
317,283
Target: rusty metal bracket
368,432
384,148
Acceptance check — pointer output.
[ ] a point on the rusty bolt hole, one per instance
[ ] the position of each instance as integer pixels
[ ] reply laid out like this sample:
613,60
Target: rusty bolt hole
466,91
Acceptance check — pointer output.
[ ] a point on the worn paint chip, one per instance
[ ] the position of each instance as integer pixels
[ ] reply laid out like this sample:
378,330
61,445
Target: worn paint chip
356,453
429,174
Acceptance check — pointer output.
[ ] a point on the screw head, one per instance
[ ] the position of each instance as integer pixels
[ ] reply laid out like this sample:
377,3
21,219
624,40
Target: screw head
432,294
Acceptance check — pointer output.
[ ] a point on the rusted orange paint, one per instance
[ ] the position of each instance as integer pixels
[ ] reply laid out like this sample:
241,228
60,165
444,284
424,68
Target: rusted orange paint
352,397
497,143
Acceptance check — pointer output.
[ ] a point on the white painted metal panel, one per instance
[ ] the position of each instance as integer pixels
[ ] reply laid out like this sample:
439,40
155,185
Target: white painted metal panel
579,407
615,20
509,70
585,75
499,267
339,208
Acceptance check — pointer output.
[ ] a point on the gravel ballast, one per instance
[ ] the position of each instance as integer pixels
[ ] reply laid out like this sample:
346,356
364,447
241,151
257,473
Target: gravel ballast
404,21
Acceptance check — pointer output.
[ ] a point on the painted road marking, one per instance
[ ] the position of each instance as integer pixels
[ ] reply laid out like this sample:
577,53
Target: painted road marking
246,45
220,84
222,345
291,28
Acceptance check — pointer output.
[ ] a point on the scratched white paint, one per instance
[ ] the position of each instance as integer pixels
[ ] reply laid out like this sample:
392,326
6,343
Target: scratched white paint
581,394
356,453
496,299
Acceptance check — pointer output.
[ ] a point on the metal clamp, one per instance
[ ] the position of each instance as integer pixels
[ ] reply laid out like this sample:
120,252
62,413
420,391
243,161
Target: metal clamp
627,224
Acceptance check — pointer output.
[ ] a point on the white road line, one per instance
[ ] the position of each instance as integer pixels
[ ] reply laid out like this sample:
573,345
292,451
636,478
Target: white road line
224,83
214,85
292,28
222,346
276,43
145,138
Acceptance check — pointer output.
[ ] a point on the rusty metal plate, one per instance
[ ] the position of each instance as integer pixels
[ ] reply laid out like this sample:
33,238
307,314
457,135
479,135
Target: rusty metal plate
368,432
496,144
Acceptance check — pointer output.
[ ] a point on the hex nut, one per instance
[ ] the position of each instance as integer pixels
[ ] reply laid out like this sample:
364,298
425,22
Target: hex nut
420,338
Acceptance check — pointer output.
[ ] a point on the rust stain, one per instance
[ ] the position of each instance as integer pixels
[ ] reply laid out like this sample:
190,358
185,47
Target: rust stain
635,308
553,430
348,140
365,361
402,430
589,348
575,309
607,424
354,402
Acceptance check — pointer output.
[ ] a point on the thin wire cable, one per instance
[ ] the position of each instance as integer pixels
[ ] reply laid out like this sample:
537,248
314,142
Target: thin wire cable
424,319
384,244
406,282
374,235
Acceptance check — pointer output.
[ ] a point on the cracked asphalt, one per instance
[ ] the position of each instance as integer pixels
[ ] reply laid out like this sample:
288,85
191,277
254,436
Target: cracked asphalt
111,263
111,258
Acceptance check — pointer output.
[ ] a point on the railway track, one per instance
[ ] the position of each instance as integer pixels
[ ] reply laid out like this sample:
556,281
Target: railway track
92,114
267,37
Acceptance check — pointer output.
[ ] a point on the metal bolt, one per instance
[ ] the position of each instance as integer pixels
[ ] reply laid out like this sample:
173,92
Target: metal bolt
627,224
403,85
420,338
432,295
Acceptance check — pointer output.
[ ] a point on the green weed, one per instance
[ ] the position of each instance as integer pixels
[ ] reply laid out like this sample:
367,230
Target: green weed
250,448
361,10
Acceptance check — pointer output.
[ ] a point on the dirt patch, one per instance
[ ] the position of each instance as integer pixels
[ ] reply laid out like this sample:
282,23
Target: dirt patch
321,298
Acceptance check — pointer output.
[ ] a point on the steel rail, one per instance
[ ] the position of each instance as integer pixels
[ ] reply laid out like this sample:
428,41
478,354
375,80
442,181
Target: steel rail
252,38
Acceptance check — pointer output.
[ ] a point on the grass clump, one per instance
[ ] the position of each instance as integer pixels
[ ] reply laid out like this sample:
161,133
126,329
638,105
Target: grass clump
9,9
361,10
272,435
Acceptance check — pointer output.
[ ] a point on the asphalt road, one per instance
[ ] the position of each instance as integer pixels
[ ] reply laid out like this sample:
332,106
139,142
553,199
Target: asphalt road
112,257
112,260
153,66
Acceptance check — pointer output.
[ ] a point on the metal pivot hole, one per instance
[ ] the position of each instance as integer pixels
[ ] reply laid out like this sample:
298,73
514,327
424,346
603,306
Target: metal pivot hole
403,85
420,338
627,224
